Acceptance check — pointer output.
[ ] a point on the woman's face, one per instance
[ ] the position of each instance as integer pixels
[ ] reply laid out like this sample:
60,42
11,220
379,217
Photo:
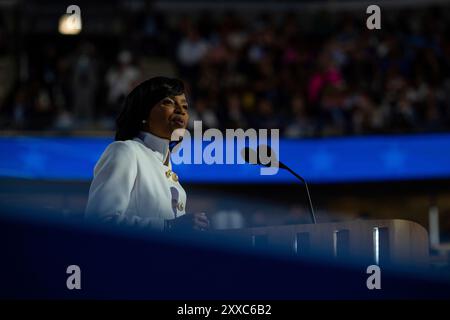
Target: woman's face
167,115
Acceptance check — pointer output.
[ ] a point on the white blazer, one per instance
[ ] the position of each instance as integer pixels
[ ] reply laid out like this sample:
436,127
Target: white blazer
132,185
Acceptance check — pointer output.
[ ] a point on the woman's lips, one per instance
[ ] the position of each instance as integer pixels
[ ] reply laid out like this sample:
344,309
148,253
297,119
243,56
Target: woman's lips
178,122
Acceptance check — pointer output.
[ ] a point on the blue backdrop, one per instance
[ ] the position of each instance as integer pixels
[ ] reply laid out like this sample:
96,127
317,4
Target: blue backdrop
318,160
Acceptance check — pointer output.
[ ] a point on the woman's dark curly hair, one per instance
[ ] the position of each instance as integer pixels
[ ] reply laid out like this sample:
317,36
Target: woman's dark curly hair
140,101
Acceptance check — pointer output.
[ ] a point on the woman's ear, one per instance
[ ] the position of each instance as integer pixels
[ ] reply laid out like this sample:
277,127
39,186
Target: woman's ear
144,125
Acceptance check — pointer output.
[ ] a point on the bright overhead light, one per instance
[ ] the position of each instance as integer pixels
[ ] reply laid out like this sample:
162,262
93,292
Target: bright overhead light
70,24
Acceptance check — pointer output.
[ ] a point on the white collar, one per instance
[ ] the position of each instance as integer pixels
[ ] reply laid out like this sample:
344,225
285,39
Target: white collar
157,144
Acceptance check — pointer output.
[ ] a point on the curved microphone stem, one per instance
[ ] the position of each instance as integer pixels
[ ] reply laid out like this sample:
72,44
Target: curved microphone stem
311,209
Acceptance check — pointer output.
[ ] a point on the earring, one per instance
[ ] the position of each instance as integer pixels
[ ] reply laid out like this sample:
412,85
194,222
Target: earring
144,121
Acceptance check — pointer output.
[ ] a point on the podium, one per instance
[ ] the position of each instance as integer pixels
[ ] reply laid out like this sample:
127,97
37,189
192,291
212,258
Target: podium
130,263
382,242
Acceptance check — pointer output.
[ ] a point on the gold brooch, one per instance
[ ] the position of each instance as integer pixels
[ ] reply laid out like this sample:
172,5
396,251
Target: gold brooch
171,174
180,206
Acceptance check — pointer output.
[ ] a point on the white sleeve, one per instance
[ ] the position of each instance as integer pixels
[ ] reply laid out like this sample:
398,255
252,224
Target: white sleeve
110,191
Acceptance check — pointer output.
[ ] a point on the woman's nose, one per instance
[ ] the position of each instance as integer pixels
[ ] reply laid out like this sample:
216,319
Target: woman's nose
179,109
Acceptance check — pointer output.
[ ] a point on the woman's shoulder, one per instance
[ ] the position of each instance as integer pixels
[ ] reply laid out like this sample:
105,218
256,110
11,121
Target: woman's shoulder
118,155
124,148
123,144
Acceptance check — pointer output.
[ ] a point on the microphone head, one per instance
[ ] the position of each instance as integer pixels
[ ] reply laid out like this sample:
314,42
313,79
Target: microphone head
249,155
264,152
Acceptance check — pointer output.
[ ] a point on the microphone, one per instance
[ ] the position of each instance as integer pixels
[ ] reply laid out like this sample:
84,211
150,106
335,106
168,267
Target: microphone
251,156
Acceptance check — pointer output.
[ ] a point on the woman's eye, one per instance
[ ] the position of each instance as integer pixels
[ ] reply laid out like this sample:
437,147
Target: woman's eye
167,102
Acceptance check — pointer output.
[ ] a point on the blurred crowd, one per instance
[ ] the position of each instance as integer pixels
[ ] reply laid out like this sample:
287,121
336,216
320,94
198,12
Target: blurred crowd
308,75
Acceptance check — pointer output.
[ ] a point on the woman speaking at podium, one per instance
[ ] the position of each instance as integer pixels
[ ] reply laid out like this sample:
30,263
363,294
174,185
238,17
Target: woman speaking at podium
133,180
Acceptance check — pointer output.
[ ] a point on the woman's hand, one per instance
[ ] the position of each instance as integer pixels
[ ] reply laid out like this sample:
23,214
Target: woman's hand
188,221
201,221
